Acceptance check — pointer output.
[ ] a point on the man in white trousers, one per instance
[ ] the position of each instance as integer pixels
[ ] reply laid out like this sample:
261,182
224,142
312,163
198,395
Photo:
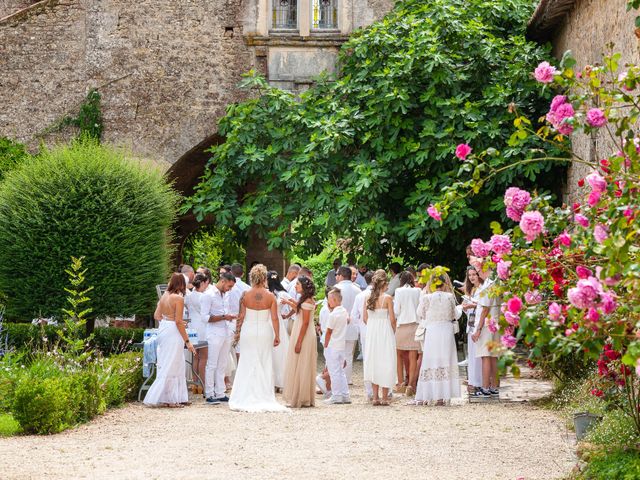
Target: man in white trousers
357,313
349,292
218,338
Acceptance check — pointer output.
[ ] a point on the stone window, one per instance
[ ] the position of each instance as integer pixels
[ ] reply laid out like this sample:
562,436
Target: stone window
324,14
284,14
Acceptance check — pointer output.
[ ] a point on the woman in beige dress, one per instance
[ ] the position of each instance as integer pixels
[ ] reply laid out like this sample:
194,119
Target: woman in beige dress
302,357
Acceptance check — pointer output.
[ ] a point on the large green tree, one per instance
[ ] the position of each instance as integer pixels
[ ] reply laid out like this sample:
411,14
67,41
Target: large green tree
364,154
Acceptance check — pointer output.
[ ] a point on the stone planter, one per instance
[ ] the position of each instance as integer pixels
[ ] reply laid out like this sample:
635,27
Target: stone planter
583,422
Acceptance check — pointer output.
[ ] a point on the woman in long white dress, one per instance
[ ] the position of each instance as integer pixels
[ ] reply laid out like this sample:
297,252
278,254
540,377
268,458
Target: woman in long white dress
170,386
280,351
438,379
198,320
380,347
258,331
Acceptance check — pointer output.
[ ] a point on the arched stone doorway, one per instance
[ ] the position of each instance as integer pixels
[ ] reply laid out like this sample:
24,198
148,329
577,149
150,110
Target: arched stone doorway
185,174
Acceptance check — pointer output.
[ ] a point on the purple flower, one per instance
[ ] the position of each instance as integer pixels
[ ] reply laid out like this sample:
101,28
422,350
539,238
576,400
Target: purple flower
600,233
479,248
434,213
508,341
532,225
581,220
596,118
544,72
596,182
462,151
501,244
533,297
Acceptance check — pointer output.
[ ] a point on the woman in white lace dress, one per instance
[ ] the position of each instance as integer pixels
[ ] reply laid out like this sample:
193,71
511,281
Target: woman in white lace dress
438,379
284,312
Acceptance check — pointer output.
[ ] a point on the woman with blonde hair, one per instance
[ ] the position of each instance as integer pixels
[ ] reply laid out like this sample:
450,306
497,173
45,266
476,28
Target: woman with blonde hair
257,331
438,379
380,348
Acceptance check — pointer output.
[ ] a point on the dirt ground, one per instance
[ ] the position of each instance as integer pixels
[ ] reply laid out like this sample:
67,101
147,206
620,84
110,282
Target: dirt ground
489,440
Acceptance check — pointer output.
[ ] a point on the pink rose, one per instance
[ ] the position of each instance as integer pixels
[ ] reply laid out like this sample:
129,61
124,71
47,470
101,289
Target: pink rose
544,72
514,305
608,303
593,315
434,213
511,318
565,128
462,151
555,311
561,118
600,233
628,213
583,272
503,269
596,182
596,118
556,102
532,297
581,220
492,325
568,332
532,225
508,341
638,367
516,200
564,239
500,244
479,248
585,293
593,199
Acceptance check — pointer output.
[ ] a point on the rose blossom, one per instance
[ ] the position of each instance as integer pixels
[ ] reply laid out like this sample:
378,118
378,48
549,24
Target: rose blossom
512,319
628,213
560,118
593,199
544,72
536,278
638,367
462,151
492,325
596,118
555,311
532,224
583,272
600,233
434,213
533,297
479,248
514,304
581,220
596,182
508,341
502,267
585,293
593,315
516,200
608,303
501,244
564,239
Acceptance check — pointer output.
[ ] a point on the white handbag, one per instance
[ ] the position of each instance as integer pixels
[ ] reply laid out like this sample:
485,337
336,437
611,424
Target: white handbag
419,335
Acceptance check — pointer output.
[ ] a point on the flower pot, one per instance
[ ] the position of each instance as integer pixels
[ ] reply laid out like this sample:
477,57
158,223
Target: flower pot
583,421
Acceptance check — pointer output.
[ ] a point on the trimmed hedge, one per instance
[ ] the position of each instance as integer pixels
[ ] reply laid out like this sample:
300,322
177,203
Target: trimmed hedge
84,200
108,340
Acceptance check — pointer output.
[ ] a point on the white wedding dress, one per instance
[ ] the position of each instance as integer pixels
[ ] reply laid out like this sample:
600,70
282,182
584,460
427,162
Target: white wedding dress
253,387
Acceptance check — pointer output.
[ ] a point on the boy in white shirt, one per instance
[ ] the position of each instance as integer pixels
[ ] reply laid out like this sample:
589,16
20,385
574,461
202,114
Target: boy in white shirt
323,380
334,348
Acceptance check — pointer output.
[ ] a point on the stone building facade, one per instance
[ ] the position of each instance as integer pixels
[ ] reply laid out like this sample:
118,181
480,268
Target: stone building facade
586,27
166,69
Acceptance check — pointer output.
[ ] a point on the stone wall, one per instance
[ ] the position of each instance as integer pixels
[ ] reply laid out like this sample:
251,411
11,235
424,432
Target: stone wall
7,7
586,31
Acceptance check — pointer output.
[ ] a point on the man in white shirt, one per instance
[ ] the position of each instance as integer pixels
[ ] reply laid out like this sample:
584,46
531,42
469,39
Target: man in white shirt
334,345
357,313
219,338
289,281
349,292
331,280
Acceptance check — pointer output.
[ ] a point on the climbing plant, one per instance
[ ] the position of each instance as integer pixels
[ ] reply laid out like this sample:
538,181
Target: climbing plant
362,156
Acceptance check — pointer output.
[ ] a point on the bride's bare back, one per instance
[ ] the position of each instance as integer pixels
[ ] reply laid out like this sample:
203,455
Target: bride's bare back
259,298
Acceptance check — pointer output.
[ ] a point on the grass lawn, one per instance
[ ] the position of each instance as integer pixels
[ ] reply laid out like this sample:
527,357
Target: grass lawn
8,426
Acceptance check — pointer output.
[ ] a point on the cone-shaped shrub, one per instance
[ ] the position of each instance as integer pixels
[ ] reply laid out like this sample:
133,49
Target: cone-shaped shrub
84,200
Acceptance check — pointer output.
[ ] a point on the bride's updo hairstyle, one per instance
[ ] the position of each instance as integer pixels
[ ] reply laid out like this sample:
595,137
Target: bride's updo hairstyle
258,275
308,290
379,284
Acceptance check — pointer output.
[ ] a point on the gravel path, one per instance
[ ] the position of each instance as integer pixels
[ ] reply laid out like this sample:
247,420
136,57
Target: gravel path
490,440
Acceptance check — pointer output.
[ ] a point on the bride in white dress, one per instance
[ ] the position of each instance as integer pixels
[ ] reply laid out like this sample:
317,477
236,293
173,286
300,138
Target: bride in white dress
258,331
438,379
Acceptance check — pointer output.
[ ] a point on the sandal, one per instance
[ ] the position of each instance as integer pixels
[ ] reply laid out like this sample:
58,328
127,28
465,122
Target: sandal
376,403
410,392
400,388
384,403
174,405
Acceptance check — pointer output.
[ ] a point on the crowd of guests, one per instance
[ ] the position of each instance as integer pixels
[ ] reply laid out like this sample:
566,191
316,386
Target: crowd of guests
261,337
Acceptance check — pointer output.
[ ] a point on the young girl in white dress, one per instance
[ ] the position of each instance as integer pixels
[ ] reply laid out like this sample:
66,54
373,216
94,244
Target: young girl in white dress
438,379
474,364
380,347
170,386
284,311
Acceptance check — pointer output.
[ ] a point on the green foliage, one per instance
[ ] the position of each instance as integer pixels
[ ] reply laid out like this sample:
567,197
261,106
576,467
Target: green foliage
84,200
107,340
12,155
211,246
89,118
75,318
615,430
362,156
8,425
616,465
121,377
